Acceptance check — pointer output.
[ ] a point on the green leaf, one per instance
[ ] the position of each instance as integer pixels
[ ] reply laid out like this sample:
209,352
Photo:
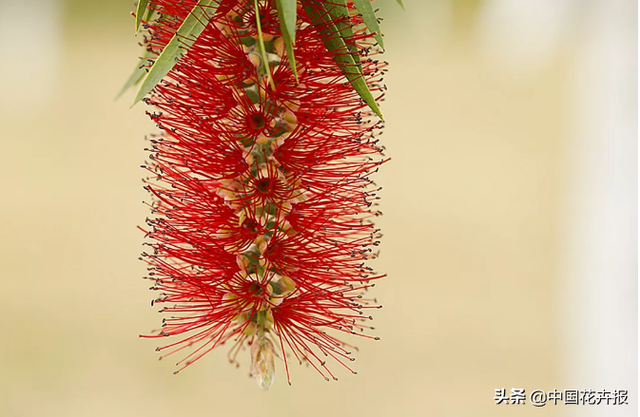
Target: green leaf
142,6
137,75
150,11
287,15
400,3
341,54
369,17
186,35
339,13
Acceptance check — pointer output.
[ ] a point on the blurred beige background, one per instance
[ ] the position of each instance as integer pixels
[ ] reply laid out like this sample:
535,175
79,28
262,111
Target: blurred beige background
510,219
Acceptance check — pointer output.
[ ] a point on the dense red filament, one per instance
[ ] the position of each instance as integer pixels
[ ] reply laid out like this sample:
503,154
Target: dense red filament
262,197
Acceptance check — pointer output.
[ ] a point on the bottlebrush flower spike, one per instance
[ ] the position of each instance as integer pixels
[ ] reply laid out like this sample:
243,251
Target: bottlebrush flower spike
262,202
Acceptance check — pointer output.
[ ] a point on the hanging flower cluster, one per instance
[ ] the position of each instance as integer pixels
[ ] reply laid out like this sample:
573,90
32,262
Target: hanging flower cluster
262,202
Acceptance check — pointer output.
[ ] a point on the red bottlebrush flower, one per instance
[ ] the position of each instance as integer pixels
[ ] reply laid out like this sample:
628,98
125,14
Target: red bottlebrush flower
262,202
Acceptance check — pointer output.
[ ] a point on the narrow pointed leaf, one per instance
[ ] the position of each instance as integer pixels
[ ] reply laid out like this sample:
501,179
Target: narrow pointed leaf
184,38
369,18
150,11
400,3
341,55
137,75
287,15
142,7
339,13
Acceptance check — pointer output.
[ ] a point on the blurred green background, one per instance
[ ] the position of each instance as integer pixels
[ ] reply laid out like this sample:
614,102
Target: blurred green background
510,219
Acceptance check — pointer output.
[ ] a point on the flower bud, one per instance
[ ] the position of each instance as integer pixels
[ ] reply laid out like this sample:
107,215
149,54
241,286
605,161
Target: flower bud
263,362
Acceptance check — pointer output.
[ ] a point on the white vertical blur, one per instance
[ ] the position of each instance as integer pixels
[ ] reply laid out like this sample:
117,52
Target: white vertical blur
30,47
598,299
598,268
520,37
